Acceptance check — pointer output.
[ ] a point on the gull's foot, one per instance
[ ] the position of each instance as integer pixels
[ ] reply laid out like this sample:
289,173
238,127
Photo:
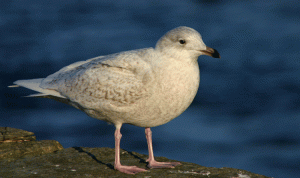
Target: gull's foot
155,164
129,169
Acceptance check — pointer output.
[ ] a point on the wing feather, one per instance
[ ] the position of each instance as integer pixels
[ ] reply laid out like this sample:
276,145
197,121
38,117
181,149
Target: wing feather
118,80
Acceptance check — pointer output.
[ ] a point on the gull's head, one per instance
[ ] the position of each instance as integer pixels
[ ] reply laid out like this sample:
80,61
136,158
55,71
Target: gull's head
184,42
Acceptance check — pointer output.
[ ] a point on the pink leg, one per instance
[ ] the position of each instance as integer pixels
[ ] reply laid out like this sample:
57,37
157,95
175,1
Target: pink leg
118,166
151,160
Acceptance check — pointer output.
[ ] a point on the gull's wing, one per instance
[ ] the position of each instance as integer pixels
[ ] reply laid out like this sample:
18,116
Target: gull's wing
115,80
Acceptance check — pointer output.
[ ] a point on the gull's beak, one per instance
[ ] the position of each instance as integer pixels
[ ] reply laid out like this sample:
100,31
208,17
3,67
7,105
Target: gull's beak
211,52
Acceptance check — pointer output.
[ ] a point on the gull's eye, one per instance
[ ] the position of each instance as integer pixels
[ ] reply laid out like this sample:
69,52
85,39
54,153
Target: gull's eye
182,41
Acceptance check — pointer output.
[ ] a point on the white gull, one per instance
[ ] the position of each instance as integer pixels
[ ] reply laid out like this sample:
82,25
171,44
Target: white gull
145,87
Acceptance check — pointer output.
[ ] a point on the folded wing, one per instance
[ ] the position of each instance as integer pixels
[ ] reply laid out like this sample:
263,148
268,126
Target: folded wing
120,79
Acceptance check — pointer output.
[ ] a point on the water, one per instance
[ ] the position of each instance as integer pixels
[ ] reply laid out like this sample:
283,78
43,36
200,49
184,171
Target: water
245,115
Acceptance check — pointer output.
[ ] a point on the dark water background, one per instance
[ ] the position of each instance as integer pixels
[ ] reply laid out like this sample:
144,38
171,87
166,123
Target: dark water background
245,115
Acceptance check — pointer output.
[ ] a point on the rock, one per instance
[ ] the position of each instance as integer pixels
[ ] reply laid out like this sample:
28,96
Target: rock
8,134
95,162
17,143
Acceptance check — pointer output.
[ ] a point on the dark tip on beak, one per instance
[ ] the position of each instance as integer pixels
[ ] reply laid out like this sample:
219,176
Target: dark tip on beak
211,52
216,54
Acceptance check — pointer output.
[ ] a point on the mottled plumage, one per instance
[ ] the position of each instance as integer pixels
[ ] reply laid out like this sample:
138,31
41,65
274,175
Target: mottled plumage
146,87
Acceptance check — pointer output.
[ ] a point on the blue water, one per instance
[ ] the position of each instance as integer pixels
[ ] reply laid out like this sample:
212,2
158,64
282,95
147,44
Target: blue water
246,114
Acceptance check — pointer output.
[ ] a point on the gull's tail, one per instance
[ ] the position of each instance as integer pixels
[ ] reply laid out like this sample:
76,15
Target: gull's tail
34,84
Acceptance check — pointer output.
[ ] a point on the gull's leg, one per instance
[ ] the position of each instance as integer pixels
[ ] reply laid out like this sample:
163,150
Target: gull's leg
151,161
118,166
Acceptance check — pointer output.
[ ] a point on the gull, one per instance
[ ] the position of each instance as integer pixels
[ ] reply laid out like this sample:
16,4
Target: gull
144,87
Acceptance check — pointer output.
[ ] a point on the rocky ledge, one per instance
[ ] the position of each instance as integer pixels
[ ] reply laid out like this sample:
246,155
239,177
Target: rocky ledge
22,156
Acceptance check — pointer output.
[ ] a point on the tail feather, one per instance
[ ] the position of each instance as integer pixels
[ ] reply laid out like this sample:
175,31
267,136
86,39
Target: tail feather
37,95
13,86
34,84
